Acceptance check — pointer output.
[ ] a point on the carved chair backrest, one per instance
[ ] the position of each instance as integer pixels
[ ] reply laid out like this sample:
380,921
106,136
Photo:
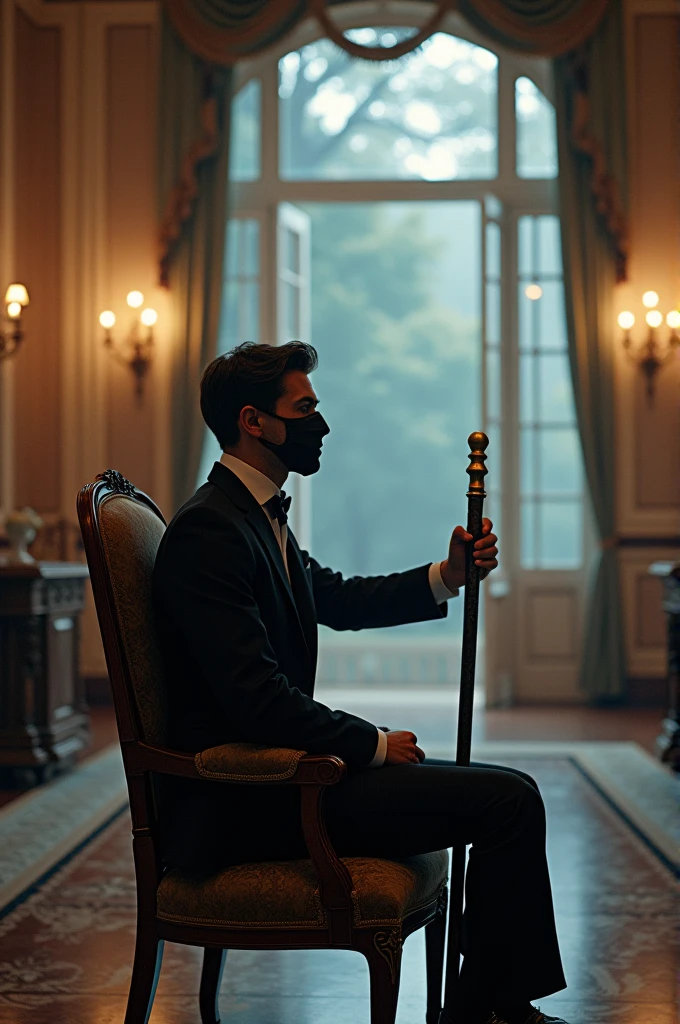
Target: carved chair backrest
122,529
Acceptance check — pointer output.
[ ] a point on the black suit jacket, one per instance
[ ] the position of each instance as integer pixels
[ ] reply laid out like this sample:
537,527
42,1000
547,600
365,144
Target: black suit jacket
240,640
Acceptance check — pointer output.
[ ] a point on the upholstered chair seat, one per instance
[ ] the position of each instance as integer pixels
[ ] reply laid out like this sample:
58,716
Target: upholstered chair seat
284,894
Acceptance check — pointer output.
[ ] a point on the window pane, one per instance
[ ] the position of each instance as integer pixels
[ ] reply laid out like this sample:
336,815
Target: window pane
536,132
240,315
527,403
528,319
399,380
560,461
528,535
555,393
493,250
493,384
244,142
493,207
525,229
528,461
230,317
430,115
291,251
232,260
549,245
560,535
494,452
493,314
250,329
290,314
251,248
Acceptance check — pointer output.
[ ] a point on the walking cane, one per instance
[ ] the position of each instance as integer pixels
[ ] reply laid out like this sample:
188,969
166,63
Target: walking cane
478,443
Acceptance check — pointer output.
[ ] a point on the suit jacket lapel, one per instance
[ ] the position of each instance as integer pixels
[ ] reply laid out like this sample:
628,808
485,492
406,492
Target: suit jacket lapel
228,482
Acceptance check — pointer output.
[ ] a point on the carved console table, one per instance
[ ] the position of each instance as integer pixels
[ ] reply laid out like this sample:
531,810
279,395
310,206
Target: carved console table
43,717
668,742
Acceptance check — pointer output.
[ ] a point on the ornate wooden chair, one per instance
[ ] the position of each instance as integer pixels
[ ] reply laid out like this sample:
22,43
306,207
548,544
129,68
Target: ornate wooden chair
325,902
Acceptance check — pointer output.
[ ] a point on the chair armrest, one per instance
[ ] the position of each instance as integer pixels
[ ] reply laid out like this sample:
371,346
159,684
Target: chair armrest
250,762
238,762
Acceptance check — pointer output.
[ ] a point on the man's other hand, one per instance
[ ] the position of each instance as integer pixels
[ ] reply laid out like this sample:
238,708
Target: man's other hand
486,555
402,748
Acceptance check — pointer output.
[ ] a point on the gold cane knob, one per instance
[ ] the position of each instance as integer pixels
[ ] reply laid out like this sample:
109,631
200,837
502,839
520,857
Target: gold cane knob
477,443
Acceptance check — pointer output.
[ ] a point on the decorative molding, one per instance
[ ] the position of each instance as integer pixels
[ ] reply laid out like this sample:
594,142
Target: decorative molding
29,636
115,481
388,944
645,660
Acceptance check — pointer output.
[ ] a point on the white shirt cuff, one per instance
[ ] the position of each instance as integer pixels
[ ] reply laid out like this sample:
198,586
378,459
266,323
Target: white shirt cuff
380,751
440,591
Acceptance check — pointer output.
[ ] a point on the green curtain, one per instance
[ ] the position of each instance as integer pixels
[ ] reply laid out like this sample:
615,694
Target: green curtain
193,175
590,95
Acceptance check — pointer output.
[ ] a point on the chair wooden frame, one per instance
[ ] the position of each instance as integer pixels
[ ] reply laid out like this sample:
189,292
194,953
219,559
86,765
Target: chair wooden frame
381,946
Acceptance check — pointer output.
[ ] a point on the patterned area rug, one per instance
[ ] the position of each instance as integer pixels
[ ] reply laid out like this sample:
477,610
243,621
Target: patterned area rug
67,947
42,827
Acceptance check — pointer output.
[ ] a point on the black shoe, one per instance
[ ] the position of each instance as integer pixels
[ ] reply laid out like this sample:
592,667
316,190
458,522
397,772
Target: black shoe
534,1018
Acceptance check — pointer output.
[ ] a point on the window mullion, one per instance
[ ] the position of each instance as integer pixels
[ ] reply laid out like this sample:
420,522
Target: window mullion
506,121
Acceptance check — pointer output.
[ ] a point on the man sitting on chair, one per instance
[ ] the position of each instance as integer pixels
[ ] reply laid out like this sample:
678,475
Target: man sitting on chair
238,604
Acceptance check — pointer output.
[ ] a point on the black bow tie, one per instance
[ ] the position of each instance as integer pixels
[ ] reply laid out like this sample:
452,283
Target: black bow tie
278,506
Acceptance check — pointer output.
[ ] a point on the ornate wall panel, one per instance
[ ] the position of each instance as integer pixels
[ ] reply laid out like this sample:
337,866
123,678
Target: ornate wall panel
644,620
649,435
37,247
131,227
648,448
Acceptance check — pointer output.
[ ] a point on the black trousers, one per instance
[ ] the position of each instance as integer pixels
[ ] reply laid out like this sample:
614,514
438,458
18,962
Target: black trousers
509,940
510,944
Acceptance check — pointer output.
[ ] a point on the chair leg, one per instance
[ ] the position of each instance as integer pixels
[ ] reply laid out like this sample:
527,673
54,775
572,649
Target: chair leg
384,964
145,972
435,942
211,978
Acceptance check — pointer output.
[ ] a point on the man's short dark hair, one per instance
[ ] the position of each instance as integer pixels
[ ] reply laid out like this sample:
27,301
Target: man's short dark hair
251,374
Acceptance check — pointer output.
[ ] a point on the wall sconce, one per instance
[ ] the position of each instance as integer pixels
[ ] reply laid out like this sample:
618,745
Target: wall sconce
11,334
136,349
650,356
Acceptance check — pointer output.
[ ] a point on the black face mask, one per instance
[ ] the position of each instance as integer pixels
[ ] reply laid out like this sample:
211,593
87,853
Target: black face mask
301,451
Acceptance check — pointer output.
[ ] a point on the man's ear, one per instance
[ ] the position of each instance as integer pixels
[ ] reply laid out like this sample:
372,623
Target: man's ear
249,421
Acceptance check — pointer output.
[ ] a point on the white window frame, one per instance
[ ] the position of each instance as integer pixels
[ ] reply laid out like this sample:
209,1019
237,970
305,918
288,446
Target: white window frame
265,197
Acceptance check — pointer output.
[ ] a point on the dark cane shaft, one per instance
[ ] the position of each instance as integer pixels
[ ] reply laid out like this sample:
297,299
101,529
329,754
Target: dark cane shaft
478,443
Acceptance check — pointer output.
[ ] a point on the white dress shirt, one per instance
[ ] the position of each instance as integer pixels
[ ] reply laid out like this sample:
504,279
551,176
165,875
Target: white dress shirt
262,489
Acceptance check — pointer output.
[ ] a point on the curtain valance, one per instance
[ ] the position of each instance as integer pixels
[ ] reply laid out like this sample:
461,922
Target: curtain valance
546,28
226,31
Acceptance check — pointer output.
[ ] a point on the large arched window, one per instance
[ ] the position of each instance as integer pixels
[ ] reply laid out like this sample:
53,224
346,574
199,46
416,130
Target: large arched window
402,217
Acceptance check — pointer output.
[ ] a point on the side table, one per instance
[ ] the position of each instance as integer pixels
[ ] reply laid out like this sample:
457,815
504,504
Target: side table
43,717
668,741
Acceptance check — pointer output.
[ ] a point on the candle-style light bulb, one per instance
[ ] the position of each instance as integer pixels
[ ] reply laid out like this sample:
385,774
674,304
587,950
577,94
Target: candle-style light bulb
654,318
107,319
626,320
149,317
673,319
650,299
14,310
135,300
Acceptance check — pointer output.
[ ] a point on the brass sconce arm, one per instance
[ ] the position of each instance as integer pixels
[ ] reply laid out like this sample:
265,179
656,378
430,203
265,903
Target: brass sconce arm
649,355
136,349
